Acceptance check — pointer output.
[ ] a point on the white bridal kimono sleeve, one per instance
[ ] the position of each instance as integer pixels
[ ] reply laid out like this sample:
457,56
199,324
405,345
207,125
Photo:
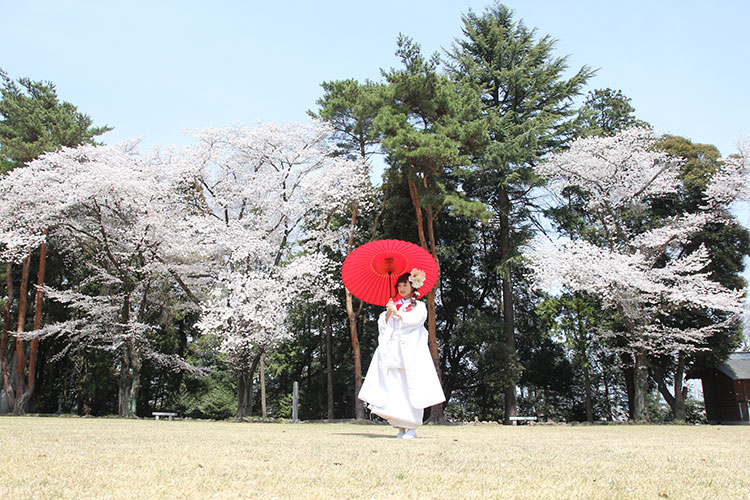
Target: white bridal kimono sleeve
401,380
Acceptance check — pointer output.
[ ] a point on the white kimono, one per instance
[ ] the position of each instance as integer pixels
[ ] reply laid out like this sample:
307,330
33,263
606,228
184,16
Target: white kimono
401,380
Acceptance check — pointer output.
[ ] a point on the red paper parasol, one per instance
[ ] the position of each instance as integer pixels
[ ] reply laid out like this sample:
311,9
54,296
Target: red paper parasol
370,271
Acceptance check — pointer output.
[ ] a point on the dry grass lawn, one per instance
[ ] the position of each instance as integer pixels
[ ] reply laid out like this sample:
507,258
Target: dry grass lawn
60,458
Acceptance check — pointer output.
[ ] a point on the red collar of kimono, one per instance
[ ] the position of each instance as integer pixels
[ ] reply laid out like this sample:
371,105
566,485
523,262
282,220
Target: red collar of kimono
401,301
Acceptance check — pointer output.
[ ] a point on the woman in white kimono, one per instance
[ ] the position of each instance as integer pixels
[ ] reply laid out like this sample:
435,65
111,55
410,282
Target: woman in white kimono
401,380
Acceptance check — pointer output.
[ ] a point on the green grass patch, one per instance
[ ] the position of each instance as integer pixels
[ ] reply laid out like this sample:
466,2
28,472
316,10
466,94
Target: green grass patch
124,459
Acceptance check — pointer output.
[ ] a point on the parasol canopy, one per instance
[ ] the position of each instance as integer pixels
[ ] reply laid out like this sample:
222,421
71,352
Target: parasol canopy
370,271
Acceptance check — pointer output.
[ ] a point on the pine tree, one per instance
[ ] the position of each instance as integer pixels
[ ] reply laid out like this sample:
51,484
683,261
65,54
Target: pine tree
34,121
425,135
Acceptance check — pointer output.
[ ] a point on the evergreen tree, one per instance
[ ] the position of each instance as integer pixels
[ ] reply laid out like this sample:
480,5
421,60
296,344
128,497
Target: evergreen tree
606,112
350,108
527,106
34,121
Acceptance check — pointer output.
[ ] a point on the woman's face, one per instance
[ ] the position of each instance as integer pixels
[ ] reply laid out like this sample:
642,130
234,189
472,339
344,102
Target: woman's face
404,289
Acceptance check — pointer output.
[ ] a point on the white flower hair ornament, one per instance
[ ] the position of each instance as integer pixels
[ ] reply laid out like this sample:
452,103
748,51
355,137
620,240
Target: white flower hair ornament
416,279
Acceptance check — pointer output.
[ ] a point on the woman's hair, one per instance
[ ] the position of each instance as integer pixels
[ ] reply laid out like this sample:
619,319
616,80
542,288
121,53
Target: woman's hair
404,278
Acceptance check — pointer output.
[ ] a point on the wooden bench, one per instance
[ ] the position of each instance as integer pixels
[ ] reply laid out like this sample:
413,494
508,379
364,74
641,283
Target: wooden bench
528,420
158,414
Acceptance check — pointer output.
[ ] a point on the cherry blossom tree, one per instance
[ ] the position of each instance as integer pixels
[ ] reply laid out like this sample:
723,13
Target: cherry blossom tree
110,205
264,199
638,270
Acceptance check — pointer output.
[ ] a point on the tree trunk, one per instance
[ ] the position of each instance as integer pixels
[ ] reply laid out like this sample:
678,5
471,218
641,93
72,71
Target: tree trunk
510,340
130,370
245,389
677,401
582,348
508,317
127,391
329,363
244,394
4,354
20,404
129,381
609,415
629,374
587,384
28,393
436,412
640,387
359,413
263,410
680,392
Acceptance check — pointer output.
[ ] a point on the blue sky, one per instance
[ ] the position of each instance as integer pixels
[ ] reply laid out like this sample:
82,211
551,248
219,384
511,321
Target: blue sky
152,69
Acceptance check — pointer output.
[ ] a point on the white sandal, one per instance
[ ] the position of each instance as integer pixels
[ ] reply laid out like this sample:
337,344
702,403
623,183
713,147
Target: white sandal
410,434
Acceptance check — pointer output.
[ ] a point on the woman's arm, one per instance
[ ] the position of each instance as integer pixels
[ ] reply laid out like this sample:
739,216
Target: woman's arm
391,310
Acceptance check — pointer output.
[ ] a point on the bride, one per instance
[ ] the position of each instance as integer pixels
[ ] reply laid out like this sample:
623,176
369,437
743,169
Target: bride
401,380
